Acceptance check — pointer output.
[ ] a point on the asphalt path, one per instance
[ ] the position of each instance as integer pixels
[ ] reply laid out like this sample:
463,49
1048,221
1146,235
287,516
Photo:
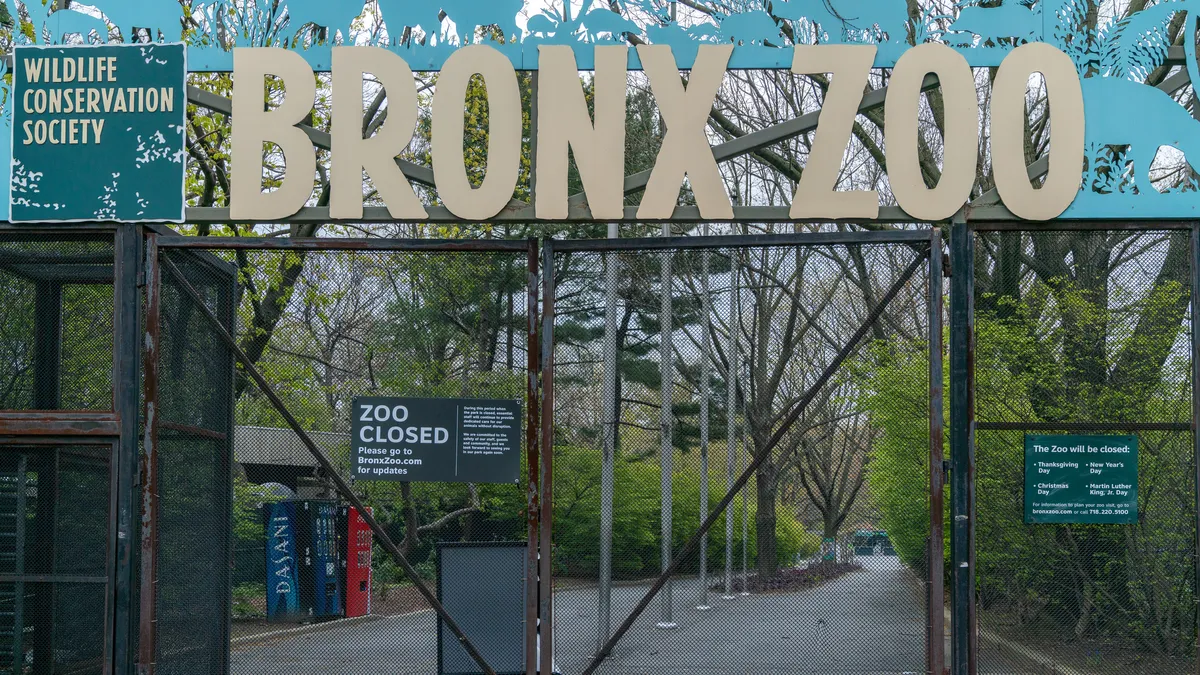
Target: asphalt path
868,622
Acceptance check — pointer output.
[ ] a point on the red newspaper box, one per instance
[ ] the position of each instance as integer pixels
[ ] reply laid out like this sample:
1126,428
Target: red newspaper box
358,565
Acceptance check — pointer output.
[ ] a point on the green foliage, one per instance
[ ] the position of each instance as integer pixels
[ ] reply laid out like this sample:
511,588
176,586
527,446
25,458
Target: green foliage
247,510
898,479
637,515
249,601
1063,350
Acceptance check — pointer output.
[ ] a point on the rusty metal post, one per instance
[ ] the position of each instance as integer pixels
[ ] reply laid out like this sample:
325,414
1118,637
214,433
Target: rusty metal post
127,394
531,458
936,639
546,524
148,468
962,445
1195,277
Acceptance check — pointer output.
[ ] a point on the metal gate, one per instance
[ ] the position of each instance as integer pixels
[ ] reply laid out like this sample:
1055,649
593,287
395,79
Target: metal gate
1077,330
254,350
776,507
736,475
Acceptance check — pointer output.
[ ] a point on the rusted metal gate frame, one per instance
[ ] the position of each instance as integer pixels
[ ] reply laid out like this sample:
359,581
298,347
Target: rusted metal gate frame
928,244
156,265
963,425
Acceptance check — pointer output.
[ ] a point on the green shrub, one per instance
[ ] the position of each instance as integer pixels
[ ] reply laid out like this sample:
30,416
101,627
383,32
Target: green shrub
637,518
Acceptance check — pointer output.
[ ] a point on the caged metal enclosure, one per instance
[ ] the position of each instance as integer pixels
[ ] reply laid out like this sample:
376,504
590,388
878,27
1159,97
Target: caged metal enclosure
78,470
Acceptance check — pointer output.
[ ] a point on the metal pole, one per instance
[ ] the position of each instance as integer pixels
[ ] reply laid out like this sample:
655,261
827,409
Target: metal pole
532,459
731,376
609,439
1195,277
666,452
546,524
533,492
936,658
705,379
148,595
962,444
127,399
746,450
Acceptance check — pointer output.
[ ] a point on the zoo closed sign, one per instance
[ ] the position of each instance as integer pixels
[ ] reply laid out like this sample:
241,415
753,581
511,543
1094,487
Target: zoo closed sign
445,440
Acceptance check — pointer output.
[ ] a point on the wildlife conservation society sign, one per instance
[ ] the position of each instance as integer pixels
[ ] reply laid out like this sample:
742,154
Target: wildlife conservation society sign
98,133
442,440
1081,479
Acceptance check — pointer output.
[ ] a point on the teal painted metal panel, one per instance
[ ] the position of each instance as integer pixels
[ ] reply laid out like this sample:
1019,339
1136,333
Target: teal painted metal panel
1113,56
98,133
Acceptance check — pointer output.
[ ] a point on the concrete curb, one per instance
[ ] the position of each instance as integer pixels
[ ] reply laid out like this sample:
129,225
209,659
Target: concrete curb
259,638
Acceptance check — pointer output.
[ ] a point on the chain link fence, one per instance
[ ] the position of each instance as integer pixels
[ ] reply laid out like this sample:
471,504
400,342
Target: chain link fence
314,592
1085,332
674,368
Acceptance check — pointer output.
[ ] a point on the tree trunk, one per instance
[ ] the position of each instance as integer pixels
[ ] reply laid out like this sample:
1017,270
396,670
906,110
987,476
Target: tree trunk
831,525
768,553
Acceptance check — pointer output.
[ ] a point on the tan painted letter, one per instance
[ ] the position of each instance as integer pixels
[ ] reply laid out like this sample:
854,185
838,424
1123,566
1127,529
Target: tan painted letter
1008,132
685,149
352,153
961,151
816,194
563,121
504,133
253,126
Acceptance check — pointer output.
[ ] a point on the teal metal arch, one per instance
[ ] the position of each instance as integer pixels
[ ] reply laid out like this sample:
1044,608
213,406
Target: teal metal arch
1113,56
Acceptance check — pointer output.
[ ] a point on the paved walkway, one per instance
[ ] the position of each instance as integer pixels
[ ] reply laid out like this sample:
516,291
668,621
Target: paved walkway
866,623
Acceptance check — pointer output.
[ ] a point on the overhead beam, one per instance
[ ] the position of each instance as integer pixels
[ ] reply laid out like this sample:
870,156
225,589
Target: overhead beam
524,214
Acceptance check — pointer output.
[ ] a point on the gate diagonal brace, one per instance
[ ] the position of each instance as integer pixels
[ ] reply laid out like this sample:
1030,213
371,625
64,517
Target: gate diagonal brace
317,454
850,347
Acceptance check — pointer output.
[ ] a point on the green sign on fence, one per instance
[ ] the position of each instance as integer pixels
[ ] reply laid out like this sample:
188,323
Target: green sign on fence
1081,479
98,133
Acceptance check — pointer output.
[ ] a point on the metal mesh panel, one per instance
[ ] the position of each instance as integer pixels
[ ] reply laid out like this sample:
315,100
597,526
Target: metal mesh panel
193,459
54,528
819,564
56,322
1085,333
324,327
